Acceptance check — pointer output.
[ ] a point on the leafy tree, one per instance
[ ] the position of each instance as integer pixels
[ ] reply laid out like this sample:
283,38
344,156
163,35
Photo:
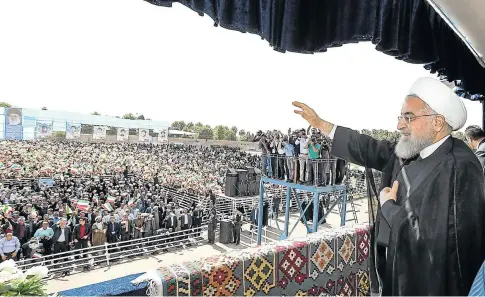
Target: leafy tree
242,133
460,135
231,135
5,104
178,125
206,133
129,116
234,129
140,117
220,132
95,113
189,127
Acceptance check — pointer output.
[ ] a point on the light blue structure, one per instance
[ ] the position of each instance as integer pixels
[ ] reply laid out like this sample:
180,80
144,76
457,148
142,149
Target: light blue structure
293,187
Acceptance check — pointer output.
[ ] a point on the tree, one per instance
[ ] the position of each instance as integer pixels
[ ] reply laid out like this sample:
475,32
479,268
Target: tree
220,132
189,127
234,129
206,133
95,113
141,117
178,125
230,135
5,104
460,135
129,116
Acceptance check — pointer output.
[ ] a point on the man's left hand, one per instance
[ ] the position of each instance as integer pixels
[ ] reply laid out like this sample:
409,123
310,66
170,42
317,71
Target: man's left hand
389,193
14,254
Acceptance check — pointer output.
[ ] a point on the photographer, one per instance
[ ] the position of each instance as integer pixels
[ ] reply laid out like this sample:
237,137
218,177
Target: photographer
266,153
278,156
302,142
289,150
314,164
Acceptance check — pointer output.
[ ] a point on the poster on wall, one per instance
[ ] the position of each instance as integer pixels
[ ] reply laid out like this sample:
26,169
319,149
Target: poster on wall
163,136
99,132
143,135
43,129
13,123
122,134
73,130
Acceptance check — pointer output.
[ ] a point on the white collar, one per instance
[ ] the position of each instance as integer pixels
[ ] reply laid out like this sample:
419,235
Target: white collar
432,148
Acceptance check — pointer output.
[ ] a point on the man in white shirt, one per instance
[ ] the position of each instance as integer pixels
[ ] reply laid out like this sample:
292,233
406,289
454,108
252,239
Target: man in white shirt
303,157
431,221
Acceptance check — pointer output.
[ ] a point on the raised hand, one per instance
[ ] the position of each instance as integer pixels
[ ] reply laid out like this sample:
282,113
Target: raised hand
308,114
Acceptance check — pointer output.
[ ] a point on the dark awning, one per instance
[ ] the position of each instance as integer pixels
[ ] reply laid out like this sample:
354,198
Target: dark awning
410,30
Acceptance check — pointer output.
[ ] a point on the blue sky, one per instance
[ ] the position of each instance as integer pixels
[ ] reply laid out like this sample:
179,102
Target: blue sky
119,56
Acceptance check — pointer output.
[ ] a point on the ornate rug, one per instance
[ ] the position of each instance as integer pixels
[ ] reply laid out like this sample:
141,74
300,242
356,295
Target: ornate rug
329,262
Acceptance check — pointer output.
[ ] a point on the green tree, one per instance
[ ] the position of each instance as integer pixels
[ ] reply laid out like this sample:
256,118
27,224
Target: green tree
234,129
5,104
178,125
189,127
230,135
95,113
220,132
460,135
129,116
206,133
140,117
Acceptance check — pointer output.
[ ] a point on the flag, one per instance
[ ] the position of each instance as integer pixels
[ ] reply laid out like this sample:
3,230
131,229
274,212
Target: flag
108,207
83,204
68,209
7,209
110,199
37,255
131,203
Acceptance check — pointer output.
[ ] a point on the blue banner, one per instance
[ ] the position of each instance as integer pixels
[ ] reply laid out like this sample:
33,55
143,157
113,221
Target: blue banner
13,123
49,182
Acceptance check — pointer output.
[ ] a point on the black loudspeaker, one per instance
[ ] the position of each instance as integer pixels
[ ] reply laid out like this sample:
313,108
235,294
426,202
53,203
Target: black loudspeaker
242,175
253,188
242,188
231,183
225,232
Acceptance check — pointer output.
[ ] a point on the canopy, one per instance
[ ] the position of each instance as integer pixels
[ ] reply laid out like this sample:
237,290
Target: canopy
411,30
178,133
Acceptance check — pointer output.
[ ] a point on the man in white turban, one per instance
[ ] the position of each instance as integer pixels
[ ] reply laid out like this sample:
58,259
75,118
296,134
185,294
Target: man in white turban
428,235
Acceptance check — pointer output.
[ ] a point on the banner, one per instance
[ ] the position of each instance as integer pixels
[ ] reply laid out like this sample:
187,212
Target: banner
99,132
43,129
46,182
122,134
163,136
13,123
73,130
143,135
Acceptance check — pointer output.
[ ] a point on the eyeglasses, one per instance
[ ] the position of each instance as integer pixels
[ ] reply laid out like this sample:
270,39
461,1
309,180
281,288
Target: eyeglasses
410,118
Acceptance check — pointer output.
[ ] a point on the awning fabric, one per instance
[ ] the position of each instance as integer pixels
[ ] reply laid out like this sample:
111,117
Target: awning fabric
410,30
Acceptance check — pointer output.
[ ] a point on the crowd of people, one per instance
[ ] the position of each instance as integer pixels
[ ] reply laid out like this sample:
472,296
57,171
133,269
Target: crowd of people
106,193
301,156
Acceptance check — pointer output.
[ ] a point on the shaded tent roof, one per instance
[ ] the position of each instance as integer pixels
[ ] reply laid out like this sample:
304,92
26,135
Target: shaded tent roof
410,30
179,132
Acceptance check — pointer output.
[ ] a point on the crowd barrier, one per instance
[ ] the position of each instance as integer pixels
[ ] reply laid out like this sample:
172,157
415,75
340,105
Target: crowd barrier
325,263
111,253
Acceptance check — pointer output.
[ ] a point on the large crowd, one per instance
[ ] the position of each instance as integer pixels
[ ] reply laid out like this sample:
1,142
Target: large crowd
104,192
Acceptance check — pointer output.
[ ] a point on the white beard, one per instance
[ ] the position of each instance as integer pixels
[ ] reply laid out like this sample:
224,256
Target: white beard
411,147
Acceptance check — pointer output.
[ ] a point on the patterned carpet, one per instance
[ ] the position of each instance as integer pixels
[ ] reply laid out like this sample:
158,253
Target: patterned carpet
329,262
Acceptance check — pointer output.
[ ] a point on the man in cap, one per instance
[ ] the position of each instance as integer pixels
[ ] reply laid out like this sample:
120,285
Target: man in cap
429,230
475,137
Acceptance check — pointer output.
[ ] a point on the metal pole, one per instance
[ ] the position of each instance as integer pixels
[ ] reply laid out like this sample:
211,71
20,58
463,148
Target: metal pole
315,211
344,208
260,211
287,211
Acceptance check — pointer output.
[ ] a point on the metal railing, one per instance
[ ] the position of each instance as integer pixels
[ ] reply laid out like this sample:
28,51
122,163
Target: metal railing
96,256
300,169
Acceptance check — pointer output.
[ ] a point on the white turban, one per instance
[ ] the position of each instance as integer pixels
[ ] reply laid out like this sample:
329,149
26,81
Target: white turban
441,99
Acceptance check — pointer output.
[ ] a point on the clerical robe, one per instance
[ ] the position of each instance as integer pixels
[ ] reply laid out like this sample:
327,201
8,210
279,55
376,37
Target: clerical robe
436,246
